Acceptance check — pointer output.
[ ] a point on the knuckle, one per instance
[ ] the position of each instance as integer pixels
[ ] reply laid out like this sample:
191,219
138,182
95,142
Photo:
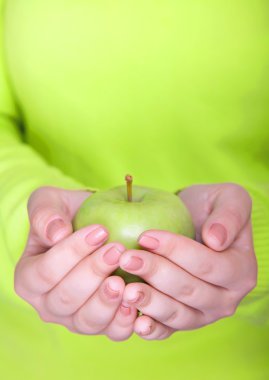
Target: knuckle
17,283
175,319
230,297
45,273
41,190
209,318
19,286
235,187
85,325
120,337
163,335
18,289
60,302
229,311
236,216
181,324
186,290
64,297
76,246
45,317
38,209
240,191
225,307
113,338
171,245
38,217
204,268
152,267
97,268
187,319
123,323
71,329
251,283
172,317
170,332
34,194
246,196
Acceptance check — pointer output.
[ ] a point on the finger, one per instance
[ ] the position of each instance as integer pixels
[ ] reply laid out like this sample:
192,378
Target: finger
81,282
162,308
222,269
149,329
50,213
230,212
95,315
39,274
174,281
121,327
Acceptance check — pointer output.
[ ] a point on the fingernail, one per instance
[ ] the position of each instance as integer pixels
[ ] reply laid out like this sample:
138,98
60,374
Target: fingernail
134,263
112,256
146,331
111,291
218,232
96,236
149,242
54,228
138,298
126,310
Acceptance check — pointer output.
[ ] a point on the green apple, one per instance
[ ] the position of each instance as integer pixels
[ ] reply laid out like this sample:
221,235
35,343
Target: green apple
126,214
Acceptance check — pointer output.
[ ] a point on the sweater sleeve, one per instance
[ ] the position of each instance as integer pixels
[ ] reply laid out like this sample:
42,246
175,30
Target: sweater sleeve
255,306
22,170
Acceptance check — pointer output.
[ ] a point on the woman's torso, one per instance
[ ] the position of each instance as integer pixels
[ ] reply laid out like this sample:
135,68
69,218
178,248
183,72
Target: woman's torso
172,92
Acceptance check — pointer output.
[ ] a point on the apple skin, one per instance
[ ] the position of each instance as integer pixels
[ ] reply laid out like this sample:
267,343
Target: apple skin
150,209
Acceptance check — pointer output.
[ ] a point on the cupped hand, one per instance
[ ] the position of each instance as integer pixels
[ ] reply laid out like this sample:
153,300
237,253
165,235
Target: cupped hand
64,275
192,283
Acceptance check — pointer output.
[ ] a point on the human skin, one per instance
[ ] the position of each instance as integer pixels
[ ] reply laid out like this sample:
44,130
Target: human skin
199,281
196,282
64,275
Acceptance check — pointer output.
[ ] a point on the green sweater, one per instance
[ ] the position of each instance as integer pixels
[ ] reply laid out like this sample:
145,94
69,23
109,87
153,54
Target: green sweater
174,92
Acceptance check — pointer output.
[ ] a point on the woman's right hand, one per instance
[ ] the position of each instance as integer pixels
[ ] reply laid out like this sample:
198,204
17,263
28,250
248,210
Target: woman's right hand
64,275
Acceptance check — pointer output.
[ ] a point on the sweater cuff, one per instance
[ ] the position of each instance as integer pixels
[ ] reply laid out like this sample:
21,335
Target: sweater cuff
260,226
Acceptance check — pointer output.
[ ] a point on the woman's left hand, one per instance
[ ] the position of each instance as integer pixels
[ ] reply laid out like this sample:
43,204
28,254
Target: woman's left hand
191,283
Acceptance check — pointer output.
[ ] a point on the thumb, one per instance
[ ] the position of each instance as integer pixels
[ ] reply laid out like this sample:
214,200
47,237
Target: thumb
230,211
50,214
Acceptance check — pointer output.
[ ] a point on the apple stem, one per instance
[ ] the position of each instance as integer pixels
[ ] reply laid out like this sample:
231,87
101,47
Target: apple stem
129,180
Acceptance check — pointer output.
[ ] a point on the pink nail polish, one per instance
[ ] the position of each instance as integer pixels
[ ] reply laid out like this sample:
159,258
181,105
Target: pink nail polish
126,310
111,293
112,256
146,331
149,242
54,228
218,232
96,236
134,263
138,298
